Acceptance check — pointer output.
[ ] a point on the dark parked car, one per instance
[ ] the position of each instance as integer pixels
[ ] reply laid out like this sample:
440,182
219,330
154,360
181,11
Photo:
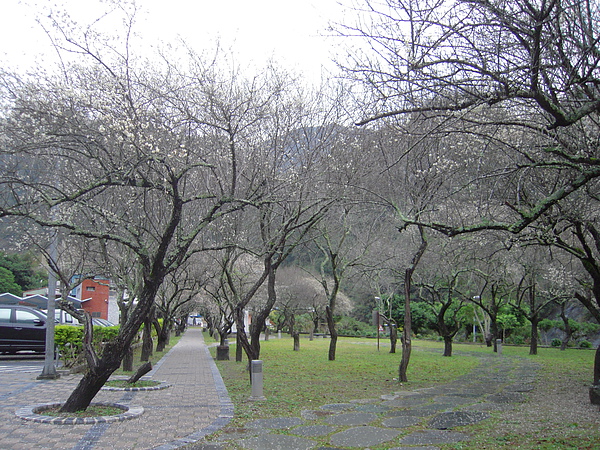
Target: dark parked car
22,328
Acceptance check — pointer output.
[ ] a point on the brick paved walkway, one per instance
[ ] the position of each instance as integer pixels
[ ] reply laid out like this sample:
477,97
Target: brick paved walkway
194,405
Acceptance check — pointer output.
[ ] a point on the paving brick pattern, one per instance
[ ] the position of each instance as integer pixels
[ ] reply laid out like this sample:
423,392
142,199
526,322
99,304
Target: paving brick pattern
194,405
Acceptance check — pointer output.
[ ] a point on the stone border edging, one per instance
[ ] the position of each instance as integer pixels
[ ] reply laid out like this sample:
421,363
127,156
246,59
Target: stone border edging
32,413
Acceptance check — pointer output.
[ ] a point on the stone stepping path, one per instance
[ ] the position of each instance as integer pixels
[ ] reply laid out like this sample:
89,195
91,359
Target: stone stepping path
420,419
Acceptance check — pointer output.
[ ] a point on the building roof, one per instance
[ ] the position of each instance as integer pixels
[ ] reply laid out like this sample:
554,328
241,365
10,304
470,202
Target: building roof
36,301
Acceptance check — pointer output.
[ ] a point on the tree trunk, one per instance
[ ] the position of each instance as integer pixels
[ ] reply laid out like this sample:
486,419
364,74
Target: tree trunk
406,342
128,360
333,333
533,345
142,370
494,333
393,337
147,344
114,351
239,351
294,333
447,345
94,379
163,334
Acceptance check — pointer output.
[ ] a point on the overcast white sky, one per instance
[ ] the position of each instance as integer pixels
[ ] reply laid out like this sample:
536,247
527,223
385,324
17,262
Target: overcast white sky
290,31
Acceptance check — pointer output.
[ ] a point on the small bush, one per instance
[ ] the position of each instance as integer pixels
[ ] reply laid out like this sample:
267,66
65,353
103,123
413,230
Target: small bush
518,340
585,344
348,326
556,342
68,340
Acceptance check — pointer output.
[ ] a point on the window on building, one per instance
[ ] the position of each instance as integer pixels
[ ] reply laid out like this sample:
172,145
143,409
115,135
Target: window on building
90,288
96,314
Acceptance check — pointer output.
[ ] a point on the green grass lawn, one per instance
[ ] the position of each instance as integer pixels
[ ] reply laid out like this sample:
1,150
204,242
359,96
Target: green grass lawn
294,381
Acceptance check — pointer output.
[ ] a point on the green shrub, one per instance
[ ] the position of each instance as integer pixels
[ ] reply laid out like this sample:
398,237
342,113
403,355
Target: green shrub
585,344
68,339
556,342
518,340
348,326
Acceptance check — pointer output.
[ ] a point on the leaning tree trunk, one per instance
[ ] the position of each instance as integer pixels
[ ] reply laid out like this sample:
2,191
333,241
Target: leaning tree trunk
100,369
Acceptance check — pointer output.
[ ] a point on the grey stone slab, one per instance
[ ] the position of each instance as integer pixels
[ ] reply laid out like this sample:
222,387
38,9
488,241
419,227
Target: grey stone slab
434,437
311,414
339,407
453,419
452,401
277,442
372,408
351,419
406,402
401,422
276,423
365,401
313,430
363,436
416,412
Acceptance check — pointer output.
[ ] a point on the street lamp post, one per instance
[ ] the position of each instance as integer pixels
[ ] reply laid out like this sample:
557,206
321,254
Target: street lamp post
49,371
378,319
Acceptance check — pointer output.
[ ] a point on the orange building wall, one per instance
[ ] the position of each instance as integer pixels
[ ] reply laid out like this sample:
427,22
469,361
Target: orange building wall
97,291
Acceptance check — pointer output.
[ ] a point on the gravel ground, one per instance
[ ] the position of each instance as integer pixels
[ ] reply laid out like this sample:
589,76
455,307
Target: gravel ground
558,409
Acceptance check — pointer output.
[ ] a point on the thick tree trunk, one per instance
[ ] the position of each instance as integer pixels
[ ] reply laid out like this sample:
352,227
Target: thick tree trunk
113,353
239,350
94,379
163,334
494,333
447,345
128,360
533,345
147,344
